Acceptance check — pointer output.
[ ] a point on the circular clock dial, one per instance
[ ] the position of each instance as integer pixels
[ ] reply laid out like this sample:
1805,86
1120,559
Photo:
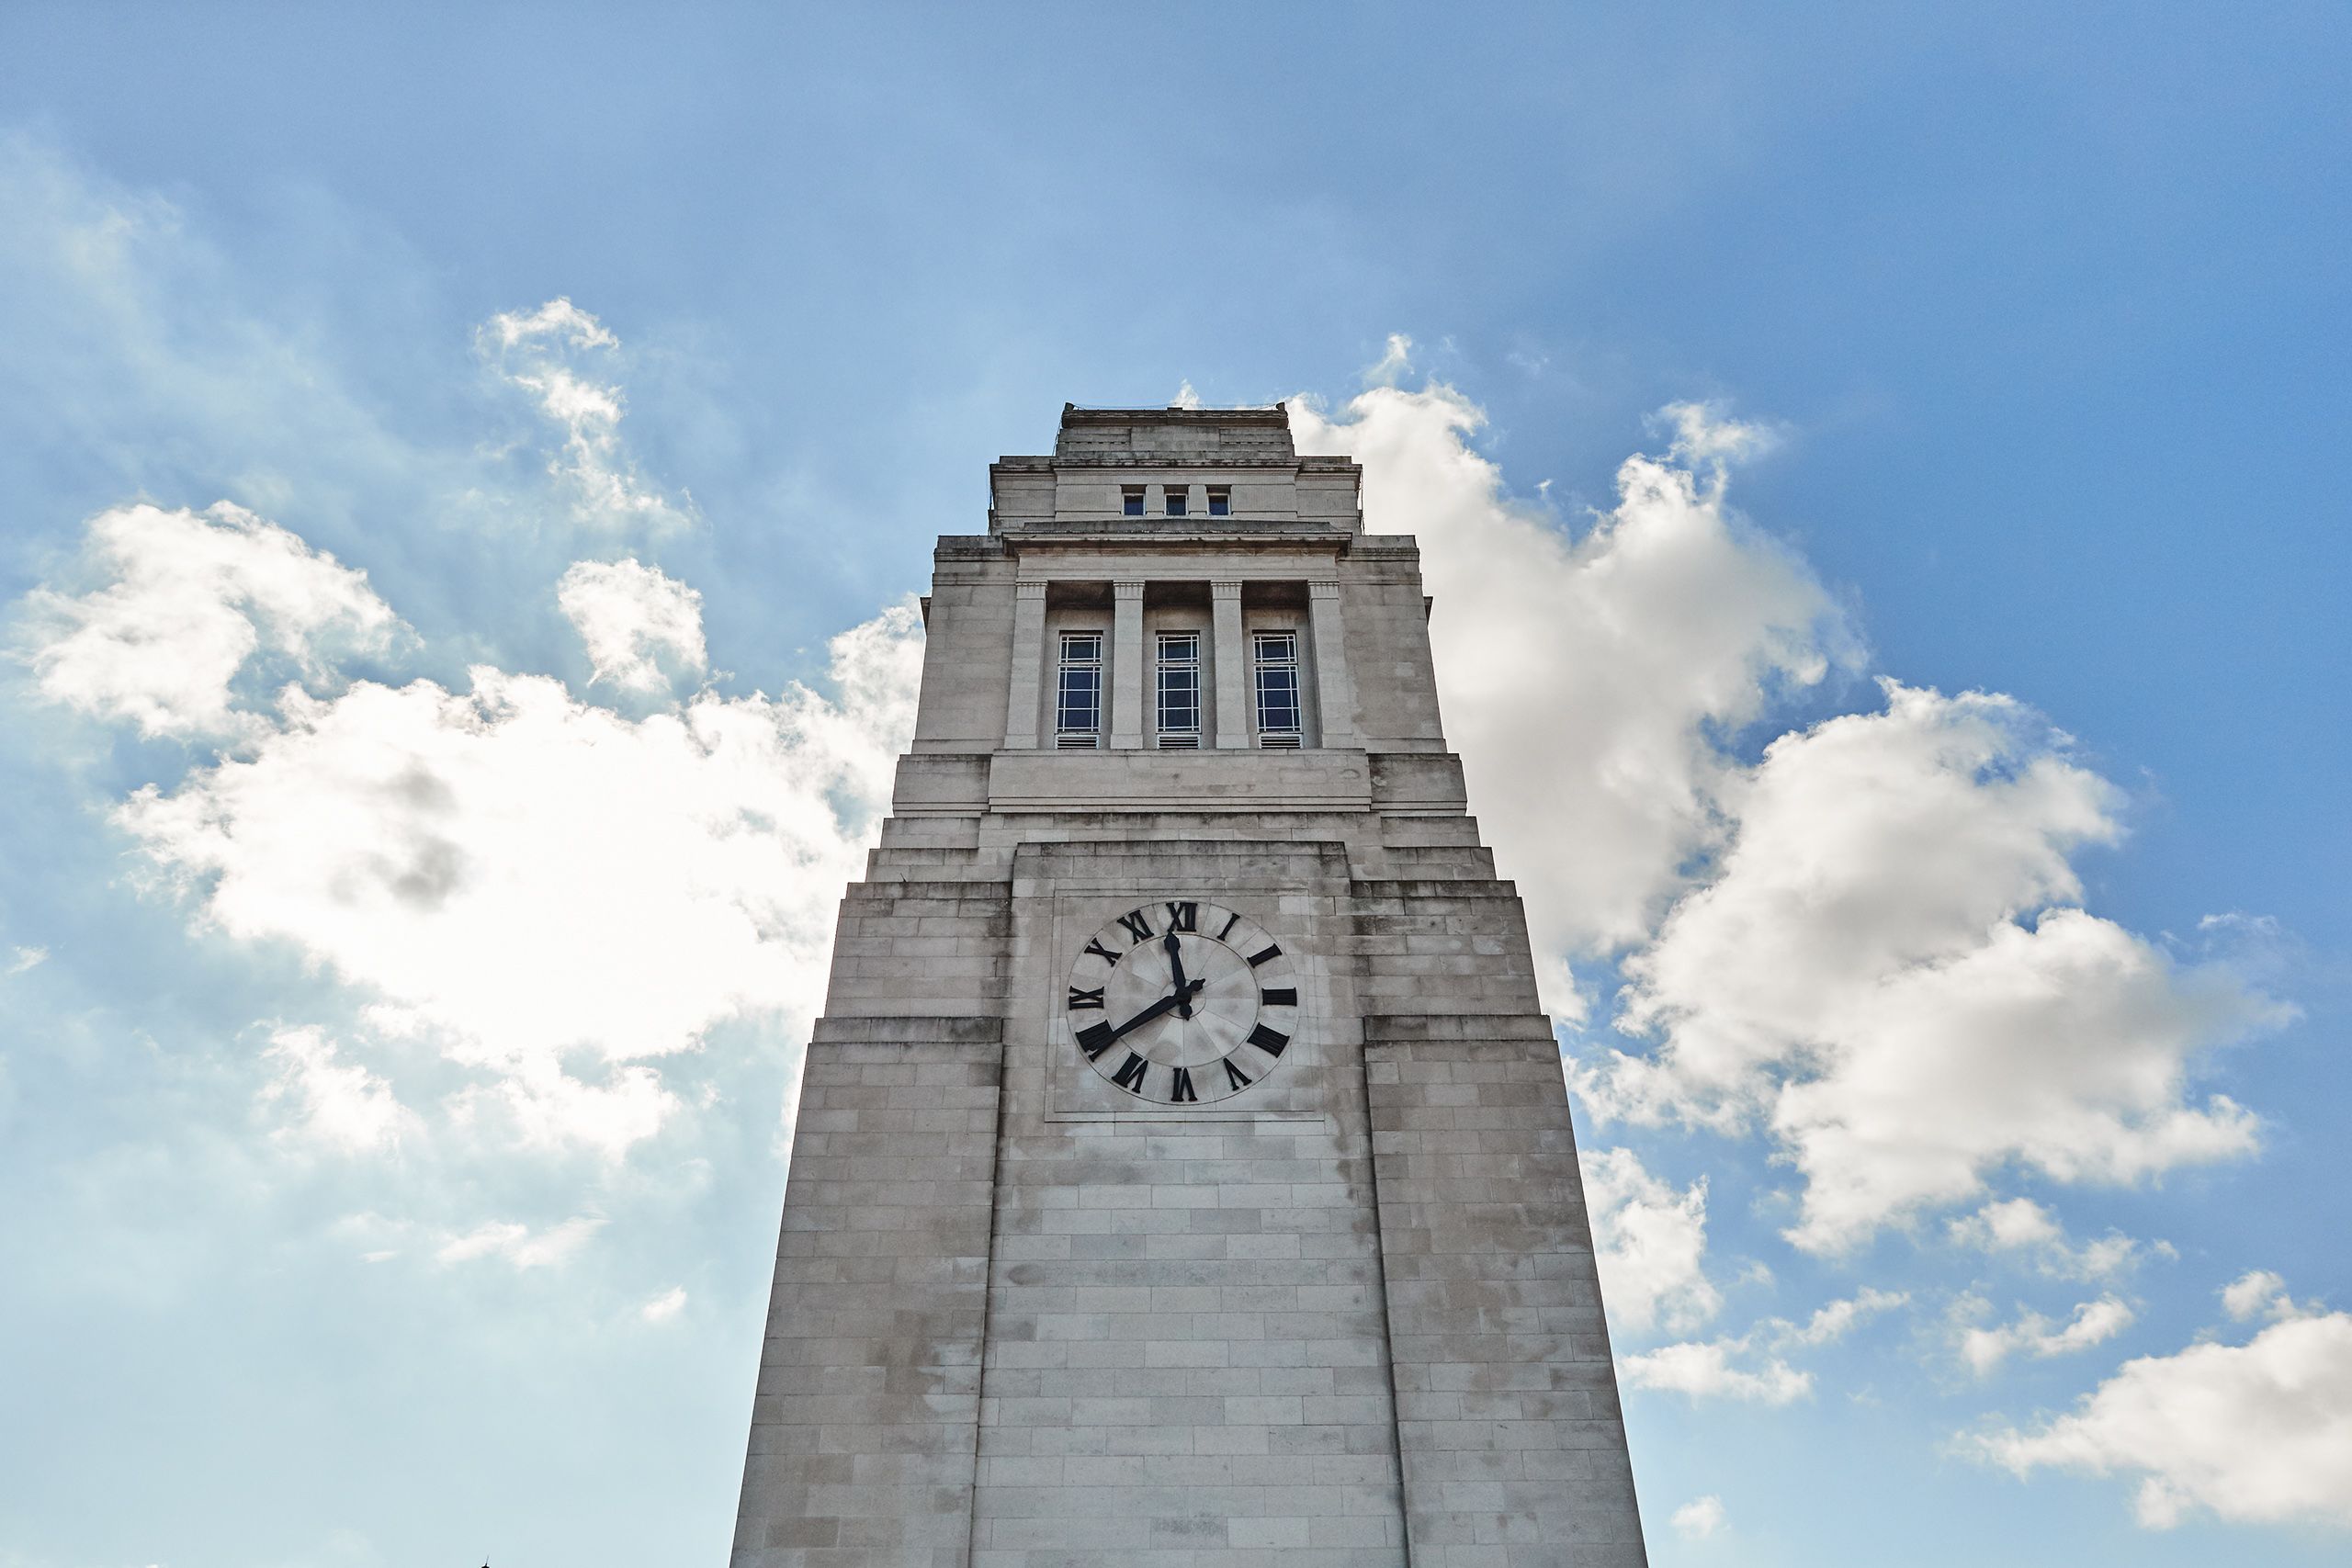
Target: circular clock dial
1183,1003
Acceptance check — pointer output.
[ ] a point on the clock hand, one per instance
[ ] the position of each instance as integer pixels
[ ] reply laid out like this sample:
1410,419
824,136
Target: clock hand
1176,968
1165,1004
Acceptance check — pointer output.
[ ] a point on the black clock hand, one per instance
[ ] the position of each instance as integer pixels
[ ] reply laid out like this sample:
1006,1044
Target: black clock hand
1176,968
1165,1004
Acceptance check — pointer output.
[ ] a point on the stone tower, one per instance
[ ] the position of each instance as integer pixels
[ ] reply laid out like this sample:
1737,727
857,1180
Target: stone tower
1183,1175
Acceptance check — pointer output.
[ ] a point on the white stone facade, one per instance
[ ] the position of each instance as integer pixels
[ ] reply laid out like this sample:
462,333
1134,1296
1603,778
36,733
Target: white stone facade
1025,1319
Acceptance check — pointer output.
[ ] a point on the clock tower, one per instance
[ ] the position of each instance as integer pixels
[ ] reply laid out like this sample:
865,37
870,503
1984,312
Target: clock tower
1183,1175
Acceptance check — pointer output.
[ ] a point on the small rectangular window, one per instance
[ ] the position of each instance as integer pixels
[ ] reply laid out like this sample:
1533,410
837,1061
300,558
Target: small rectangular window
1131,500
1220,501
1078,691
1178,678
1176,498
1275,660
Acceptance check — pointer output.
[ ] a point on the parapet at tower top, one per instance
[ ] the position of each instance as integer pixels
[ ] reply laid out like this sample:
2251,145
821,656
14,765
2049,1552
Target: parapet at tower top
1155,437
1177,474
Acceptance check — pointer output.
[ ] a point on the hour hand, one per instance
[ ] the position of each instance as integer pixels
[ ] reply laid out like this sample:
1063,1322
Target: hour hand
1176,970
1167,1003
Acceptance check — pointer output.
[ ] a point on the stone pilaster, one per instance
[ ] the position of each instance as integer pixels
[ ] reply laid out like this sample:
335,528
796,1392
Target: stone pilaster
1126,665
1028,665
1334,692
1230,660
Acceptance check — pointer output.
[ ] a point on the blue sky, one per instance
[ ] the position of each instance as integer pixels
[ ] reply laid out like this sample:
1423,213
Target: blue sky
392,1145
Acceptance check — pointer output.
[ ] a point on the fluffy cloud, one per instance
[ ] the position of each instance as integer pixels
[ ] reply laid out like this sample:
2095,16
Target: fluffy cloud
338,1104
1889,972
1666,620
2094,1322
1708,1370
190,598
2258,1433
2023,1228
1651,1243
665,1306
533,878
1752,1366
1700,1518
2262,1294
1834,1322
1871,943
633,619
547,353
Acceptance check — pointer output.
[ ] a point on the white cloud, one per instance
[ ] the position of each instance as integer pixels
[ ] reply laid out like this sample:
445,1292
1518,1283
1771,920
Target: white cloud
633,619
665,1306
1707,1370
1888,971
521,1246
23,958
1833,1322
1704,434
189,600
545,352
2262,1294
1700,1518
1752,1366
1650,1241
2257,1433
1185,398
1396,360
1662,621
1870,943
534,878
2093,1323
2020,1226
340,1104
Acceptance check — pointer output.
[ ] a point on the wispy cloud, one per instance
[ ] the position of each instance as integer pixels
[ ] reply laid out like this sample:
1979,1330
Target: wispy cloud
2260,1432
2092,1323
550,354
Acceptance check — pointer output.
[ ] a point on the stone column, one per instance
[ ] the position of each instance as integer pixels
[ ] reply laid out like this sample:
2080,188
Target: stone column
1028,665
1229,661
1334,693
1126,666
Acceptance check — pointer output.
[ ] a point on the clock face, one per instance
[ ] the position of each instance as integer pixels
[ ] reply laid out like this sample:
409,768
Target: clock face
1183,1003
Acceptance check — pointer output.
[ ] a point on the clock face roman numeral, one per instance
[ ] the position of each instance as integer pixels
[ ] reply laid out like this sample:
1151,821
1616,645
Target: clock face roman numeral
1183,979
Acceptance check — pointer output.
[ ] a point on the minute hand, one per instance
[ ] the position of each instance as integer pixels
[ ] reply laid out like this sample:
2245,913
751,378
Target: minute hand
1164,1005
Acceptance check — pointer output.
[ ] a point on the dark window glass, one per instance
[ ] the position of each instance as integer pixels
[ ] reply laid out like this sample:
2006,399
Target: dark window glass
1177,680
1277,684
1130,501
1077,690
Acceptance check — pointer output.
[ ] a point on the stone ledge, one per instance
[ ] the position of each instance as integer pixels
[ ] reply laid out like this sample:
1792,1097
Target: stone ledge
1210,781
1458,1029
930,1029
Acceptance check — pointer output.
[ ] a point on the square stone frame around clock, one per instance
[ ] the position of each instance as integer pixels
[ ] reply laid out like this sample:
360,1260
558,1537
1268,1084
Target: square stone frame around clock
1312,926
